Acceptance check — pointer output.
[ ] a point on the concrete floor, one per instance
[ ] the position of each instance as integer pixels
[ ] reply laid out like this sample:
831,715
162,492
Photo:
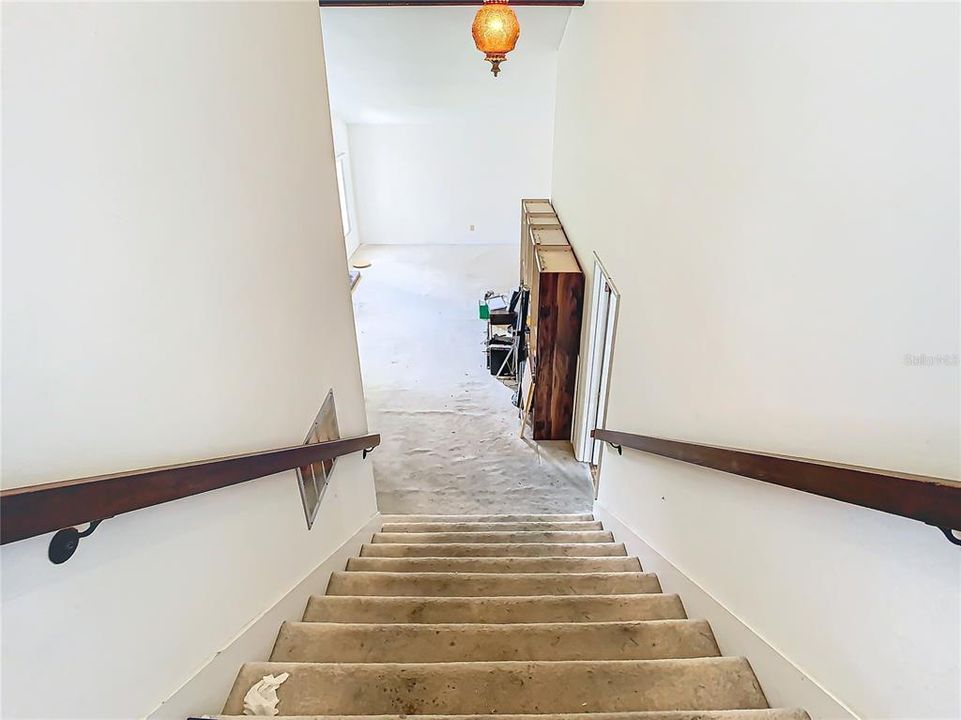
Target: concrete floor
449,431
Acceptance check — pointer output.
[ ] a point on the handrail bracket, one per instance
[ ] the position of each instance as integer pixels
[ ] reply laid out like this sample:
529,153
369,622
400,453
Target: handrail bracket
950,535
65,542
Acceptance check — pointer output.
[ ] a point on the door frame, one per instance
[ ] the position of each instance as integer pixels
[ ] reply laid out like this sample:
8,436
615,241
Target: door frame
600,353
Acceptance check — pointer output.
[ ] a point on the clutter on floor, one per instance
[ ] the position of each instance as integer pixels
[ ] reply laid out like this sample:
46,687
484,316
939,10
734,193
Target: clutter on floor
503,353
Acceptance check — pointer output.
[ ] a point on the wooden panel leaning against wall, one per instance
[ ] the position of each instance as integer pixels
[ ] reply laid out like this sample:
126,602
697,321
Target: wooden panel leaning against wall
551,272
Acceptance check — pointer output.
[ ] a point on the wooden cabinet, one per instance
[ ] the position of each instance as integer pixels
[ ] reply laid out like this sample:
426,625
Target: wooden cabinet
550,270
555,341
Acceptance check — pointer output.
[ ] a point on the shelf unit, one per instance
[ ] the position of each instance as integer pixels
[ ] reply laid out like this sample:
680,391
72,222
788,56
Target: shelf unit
550,270
540,215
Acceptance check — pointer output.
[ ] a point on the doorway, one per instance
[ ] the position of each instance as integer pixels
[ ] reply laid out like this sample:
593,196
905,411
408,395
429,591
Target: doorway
605,300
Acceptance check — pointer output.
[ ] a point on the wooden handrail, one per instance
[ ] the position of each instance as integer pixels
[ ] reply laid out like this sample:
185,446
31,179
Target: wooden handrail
934,501
37,509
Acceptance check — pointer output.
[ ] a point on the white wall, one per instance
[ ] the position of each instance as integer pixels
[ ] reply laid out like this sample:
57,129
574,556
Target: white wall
438,143
173,289
428,183
342,151
774,188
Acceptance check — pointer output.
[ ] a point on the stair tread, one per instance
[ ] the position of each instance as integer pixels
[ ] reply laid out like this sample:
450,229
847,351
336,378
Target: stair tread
499,526
503,609
514,536
489,584
513,617
504,549
567,686
495,564
404,642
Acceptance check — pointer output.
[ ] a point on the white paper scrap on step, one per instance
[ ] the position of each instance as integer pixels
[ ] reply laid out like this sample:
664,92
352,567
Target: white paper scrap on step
262,698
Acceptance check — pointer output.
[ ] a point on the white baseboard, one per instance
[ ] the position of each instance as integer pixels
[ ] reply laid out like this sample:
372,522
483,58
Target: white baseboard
784,684
206,691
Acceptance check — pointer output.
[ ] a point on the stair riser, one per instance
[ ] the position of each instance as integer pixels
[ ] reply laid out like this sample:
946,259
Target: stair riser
575,517
494,550
587,536
524,617
332,643
495,565
573,609
556,687
492,527
489,584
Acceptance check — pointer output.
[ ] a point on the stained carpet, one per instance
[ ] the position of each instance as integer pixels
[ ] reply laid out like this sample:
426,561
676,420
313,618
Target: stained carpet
450,442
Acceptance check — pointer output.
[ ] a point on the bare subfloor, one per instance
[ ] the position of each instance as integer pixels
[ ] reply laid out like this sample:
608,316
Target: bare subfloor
450,443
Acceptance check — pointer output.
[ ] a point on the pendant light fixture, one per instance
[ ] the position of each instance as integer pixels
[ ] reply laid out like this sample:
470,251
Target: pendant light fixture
495,32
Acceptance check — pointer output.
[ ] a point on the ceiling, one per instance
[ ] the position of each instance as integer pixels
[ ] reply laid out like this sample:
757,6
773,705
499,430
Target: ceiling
419,64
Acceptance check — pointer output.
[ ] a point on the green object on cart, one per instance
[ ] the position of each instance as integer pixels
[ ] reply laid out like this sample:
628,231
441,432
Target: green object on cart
483,311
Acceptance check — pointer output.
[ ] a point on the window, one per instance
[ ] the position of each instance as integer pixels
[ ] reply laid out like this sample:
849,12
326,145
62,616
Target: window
342,191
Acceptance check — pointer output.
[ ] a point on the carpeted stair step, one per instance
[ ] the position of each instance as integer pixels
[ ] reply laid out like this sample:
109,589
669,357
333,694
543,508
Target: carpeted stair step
532,609
774,714
506,549
502,617
568,517
419,527
495,564
719,683
520,536
490,584
407,643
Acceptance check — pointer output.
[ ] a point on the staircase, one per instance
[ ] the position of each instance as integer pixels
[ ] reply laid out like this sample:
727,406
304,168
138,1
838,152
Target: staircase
503,615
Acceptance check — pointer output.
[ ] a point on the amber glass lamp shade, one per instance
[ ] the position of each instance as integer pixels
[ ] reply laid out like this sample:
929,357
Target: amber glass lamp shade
495,32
